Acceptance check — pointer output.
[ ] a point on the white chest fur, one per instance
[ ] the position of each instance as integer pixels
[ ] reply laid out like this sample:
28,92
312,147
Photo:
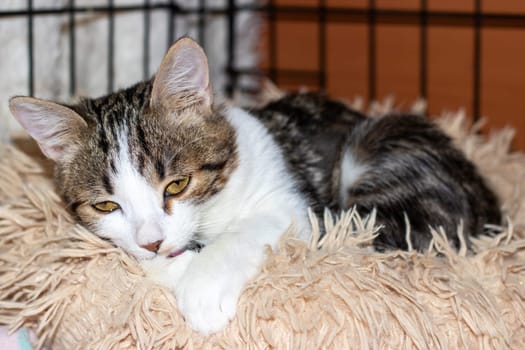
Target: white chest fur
257,205
261,185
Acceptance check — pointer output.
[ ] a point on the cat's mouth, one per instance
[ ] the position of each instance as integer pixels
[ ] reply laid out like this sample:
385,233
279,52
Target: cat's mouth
192,245
177,253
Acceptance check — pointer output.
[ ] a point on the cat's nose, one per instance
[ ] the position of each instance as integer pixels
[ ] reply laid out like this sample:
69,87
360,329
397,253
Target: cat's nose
152,247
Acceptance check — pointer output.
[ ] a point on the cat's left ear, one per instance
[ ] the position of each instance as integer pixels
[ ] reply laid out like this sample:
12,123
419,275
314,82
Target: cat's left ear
183,77
54,127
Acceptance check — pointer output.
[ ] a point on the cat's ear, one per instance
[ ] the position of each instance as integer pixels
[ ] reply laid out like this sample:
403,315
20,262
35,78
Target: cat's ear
183,77
54,127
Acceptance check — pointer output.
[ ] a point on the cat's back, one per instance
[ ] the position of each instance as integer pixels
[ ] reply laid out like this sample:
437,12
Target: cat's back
311,130
404,166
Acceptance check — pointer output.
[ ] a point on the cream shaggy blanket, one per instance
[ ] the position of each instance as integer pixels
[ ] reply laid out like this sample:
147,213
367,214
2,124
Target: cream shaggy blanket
77,291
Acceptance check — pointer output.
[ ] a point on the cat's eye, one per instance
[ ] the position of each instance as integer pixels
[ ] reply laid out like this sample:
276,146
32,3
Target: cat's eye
176,187
106,206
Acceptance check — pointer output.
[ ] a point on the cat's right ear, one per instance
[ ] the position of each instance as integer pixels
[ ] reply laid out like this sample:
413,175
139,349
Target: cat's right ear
183,77
54,127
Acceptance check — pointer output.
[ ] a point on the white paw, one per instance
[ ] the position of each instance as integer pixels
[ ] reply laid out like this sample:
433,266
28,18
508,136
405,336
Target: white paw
207,301
167,271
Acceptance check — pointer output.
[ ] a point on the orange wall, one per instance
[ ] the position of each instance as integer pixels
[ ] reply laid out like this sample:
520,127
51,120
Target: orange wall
449,66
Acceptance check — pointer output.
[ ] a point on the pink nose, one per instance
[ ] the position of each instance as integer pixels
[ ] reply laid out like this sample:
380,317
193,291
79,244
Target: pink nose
152,247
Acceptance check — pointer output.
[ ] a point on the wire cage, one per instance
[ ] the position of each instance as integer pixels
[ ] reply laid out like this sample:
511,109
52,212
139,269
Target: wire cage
173,9
451,53
61,49
465,54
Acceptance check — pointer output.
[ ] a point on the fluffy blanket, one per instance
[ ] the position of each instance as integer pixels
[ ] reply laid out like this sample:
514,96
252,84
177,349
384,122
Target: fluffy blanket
76,291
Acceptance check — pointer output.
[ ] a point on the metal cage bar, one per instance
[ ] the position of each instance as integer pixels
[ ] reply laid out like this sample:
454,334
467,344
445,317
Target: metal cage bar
272,41
423,50
322,46
146,40
30,50
72,50
230,67
111,45
372,60
201,34
476,99
322,14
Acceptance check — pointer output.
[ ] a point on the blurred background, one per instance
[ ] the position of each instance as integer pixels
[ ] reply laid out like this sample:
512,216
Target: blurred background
455,54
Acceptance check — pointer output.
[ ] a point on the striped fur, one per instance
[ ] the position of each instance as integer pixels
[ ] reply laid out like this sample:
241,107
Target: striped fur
407,166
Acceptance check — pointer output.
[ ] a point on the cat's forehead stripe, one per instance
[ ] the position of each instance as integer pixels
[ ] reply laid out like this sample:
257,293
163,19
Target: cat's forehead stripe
107,183
125,128
116,117
140,162
159,167
141,137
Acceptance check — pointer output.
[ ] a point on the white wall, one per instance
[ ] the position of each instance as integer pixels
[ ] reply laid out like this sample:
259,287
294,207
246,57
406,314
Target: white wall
51,49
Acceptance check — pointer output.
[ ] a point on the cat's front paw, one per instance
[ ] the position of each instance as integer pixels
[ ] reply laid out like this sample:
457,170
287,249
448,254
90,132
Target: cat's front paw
207,302
167,271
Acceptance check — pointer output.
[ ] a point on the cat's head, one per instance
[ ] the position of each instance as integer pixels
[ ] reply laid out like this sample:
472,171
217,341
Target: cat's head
136,166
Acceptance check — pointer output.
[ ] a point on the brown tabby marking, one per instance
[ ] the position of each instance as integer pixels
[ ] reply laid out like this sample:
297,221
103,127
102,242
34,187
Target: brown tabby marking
163,144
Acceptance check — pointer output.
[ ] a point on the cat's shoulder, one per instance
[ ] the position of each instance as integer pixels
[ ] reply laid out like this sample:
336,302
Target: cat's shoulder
307,111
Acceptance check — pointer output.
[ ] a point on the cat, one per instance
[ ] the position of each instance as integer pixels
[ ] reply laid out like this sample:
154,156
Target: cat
403,166
195,190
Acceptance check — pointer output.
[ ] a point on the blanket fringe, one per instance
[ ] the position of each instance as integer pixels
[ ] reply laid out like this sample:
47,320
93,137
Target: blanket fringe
75,289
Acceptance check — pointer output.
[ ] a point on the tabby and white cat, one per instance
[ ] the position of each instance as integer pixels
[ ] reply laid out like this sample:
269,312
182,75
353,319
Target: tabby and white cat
195,191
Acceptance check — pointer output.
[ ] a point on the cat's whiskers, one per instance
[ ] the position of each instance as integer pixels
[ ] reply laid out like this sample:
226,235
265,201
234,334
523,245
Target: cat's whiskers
209,227
203,227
